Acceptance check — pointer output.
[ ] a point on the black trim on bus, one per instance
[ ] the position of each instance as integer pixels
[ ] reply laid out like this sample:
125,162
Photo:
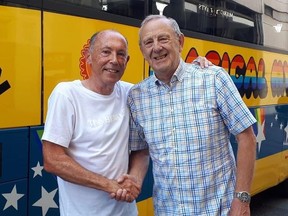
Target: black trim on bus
42,69
87,12
35,4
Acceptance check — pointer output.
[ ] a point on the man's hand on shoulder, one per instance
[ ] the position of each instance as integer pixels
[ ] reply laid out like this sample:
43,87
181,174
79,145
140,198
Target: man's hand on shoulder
202,61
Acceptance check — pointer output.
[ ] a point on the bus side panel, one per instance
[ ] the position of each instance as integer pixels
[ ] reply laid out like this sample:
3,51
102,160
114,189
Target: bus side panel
14,171
284,168
283,113
20,71
43,192
14,198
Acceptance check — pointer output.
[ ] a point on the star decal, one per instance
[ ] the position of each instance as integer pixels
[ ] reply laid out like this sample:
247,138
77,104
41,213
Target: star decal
46,201
286,139
12,198
37,170
260,136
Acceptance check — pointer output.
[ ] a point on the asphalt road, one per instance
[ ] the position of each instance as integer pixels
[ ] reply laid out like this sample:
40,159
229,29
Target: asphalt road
269,203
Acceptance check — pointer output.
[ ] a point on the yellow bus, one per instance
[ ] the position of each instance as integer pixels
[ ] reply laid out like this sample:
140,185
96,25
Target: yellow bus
43,42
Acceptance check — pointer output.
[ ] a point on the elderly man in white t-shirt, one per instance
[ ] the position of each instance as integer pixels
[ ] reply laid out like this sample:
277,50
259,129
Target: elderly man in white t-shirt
85,140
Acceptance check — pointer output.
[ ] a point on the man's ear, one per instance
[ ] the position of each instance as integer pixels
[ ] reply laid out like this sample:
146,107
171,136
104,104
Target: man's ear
181,42
88,58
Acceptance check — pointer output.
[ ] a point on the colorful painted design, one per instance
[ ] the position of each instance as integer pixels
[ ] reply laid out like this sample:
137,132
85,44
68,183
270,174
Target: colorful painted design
85,68
250,77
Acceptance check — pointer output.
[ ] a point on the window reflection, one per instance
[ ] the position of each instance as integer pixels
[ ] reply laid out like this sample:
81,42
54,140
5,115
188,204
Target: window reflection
258,21
90,3
128,8
220,18
275,24
238,20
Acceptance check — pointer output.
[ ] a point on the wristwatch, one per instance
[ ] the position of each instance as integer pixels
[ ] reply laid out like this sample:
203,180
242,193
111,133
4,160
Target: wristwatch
243,196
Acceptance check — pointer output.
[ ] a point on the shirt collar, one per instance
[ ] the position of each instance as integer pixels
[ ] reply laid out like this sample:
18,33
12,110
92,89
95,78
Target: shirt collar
177,76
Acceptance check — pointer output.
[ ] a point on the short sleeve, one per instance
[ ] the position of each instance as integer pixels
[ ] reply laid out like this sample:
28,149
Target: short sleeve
233,110
60,118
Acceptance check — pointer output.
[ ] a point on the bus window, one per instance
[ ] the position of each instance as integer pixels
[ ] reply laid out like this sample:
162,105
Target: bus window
90,3
175,9
130,8
275,25
220,18
237,20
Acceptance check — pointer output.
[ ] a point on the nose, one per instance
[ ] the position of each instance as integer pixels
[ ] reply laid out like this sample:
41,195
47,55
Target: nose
157,46
113,58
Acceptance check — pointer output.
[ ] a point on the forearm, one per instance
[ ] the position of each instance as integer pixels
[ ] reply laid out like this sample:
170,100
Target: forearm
138,164
246,156
58,162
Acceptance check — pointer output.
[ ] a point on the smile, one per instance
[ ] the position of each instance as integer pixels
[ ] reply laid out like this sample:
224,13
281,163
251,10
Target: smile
160,57
112,70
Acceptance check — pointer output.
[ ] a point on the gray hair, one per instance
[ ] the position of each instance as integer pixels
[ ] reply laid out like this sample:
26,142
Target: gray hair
174,25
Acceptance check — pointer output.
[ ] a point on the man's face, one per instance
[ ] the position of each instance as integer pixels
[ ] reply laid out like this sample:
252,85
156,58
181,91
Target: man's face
161,47
109,57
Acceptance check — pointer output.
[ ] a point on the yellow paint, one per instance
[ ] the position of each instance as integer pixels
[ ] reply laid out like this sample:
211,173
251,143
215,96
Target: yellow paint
270,171
145,207
284,166
20,61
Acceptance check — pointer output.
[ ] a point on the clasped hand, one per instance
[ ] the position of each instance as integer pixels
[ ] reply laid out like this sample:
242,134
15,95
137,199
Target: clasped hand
129,191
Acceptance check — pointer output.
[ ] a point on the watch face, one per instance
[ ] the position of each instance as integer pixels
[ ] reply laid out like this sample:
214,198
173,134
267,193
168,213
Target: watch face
245,197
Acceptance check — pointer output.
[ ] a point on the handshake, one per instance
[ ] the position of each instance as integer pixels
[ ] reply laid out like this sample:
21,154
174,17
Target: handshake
126,188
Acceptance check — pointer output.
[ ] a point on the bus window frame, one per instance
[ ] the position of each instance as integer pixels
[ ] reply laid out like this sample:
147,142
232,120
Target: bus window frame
23,3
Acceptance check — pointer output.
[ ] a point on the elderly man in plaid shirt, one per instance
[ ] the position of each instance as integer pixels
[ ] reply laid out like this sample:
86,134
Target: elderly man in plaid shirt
182,116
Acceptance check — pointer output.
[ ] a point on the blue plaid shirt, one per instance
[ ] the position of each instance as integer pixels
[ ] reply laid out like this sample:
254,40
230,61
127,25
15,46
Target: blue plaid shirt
186,127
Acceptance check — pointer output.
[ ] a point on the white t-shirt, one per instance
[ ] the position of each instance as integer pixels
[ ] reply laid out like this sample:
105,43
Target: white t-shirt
95,129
